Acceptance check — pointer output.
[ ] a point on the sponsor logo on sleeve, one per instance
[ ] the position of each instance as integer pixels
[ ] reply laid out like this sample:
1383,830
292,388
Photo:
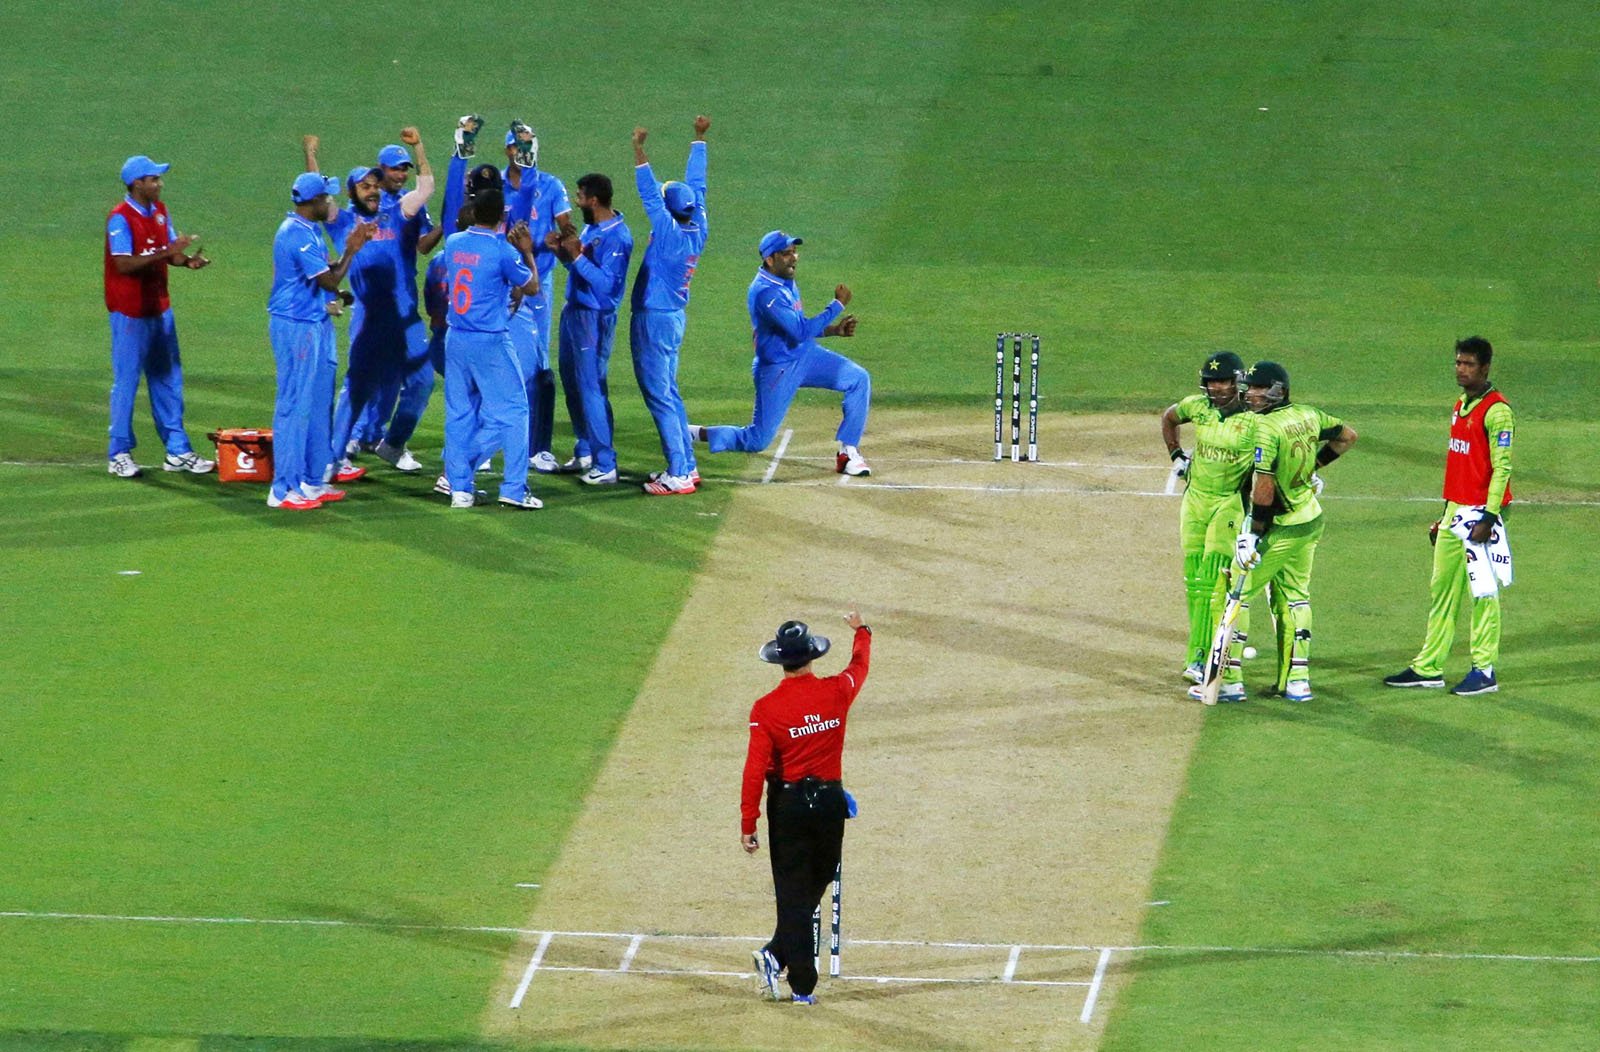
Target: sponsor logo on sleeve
1503,439
1258,454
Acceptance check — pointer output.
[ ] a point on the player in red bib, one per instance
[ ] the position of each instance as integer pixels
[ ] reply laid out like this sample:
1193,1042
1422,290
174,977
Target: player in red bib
1477,486
141,244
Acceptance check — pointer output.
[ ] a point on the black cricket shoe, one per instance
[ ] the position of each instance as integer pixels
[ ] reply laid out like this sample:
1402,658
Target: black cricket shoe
1412,678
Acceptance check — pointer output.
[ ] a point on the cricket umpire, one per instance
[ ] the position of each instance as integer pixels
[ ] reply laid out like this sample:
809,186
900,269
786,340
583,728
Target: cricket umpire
796,744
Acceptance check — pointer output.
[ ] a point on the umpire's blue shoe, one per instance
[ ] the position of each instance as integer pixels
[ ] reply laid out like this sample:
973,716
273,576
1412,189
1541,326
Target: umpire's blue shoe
766,972
805,999
1478,681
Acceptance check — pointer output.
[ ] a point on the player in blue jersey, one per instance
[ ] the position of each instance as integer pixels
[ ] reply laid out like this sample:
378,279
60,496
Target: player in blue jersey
485,401
597,273
539,199
677,213
788,357
302,343
388,341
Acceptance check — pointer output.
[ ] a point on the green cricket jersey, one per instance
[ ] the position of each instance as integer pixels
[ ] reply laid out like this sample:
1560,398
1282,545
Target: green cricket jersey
1223,446
1287,440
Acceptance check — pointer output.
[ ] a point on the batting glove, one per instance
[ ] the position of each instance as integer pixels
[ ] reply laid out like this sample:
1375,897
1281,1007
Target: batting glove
1316,483
1244,551
1180,464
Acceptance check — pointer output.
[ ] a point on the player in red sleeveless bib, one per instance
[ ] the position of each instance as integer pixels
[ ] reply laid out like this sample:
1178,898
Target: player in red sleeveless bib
141,244
1477,483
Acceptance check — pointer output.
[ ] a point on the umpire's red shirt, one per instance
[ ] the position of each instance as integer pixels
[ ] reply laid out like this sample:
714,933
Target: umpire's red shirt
798,729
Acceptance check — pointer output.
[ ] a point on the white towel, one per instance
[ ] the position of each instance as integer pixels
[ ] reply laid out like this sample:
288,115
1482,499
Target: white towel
1488,564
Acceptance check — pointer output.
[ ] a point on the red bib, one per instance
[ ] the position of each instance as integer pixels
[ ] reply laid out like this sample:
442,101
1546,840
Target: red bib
141,295
1466,466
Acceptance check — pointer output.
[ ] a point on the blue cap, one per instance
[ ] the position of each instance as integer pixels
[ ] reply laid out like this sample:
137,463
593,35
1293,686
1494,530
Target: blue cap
679,199
776,242
511,138
140,166
358,173
309,185
393,156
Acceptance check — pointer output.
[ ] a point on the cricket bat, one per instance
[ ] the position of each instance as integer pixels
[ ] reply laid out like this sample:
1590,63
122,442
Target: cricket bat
1217,656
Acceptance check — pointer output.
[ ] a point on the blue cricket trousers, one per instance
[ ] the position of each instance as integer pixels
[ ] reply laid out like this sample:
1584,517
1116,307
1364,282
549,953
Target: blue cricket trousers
655,337
306,360
485,410
585,353
148,347
530,337
775,390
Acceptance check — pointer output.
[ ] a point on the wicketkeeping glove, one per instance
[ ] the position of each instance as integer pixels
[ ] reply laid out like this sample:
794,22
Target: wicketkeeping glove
1244,551
467,135
526,145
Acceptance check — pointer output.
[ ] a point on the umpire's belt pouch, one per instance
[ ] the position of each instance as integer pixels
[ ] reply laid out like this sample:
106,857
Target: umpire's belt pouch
822,799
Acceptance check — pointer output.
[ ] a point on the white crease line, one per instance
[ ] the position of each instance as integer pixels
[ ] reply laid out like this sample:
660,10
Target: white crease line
633,949
1011,965
533,966
837,978
1091,491
1036,463
315,922
777,457
1094,986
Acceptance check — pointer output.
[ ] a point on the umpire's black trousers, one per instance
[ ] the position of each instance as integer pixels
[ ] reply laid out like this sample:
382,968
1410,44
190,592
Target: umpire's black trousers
805,831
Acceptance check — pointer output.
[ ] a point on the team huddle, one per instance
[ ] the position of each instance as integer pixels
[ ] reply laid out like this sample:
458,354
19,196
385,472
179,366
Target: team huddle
1251,520
481,318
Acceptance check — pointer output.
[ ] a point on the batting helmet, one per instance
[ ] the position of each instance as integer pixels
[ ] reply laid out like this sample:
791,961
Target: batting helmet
484,177
1222,365
1272,376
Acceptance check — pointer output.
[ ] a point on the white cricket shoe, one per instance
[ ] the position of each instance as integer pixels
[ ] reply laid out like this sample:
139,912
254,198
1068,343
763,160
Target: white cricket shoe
352,448
461,500
596,477
850,462
528,502
191,462
693,476
1195,673
123,467
576,466
400,459
544,463
441,485
662,485
1228,692
294,500
766,973
1297,690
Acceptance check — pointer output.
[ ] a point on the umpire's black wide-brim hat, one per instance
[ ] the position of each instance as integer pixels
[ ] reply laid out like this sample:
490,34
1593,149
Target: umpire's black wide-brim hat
794,645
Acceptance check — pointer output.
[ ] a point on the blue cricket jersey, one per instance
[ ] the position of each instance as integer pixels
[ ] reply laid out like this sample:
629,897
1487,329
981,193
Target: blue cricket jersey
778,323
481,269
599,275
298,256
436,292
537,202
674,248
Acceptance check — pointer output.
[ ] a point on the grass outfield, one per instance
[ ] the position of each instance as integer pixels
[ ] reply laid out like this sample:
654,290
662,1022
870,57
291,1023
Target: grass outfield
390,716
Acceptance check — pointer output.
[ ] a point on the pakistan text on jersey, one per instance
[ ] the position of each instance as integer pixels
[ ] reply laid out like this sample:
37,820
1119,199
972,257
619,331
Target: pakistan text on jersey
1460,445
813,728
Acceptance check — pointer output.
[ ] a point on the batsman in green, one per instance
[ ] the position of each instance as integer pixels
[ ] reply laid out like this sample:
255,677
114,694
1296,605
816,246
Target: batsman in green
1279,543
1217,473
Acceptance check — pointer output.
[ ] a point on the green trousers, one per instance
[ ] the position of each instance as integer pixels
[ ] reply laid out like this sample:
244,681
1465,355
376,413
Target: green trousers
1207,526
1445,593
1287,554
